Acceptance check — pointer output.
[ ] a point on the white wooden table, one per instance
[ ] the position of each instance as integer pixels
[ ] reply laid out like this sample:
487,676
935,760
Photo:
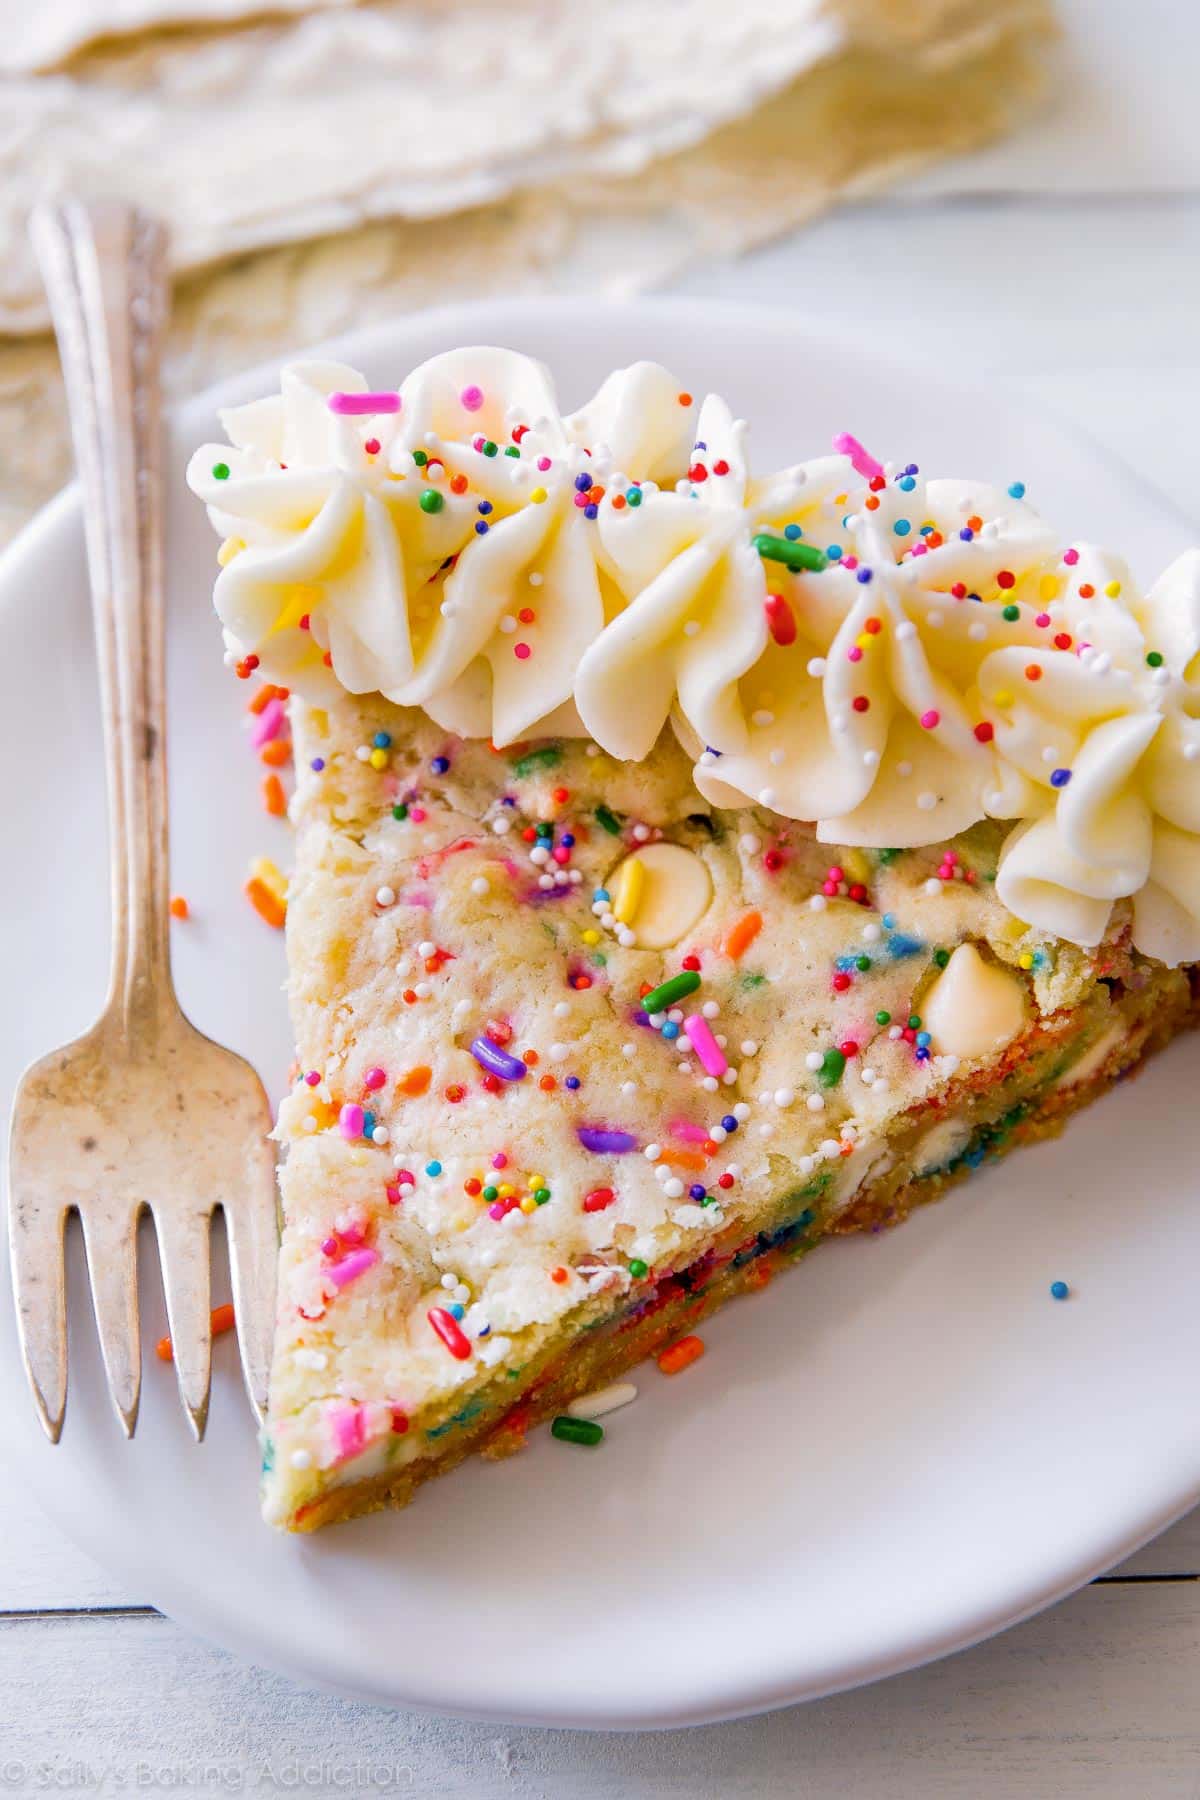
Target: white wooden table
1068,262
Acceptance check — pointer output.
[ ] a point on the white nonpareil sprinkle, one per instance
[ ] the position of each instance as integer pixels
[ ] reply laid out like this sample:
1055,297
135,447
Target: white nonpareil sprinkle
385,896
815,1103
481,886
932,886
301,1459
784,1096
749,844
710,1009
817,903
673,1189
502,825
748,1047
814,1060
380,1135
426,947
604,1400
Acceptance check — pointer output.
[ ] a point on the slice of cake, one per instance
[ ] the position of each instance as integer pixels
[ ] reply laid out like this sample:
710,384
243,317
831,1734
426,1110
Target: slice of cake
687,866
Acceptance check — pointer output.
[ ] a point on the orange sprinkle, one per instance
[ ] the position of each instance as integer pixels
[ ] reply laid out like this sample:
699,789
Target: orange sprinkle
267,692
267,905
679,1355
179,907
684,1159
221,1319
277,754
685,399
273,796
531,1059
872,502
739,937
416,1081
559,1275
1032,672
547,1084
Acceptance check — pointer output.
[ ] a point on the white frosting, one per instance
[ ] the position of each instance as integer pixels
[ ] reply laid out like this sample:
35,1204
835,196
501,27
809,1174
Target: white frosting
892,660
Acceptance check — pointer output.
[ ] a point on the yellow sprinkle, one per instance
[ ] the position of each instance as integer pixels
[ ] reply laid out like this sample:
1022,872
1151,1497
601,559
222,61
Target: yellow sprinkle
1026,959
1014,928
1048,587
538,495
629,892
379,759
591,937
528,1204
505,1190
1113,589
856,866
264,870
536,1181
1003,697
229,549
864,641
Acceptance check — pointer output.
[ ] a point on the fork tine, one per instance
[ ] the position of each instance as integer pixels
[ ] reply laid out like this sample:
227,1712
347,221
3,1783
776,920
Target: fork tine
110,1236
35,1235
183,1254
252,1232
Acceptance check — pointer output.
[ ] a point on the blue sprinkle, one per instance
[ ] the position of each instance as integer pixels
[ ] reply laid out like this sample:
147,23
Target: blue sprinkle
1017,490
973,1158
484,507
923,1053
368,1123
923,1040
591,510
1059,777
845,963
729,1122
834,552
912,469
902,527
1059,1290
967,535
927,531
863,575
433,1168
670,1031
440,764
481,527
572,1082
317,764
697,1191
382,740
582,483
899,946
484,1331
567,840
601,894
889,919
907,483
792,532
456,1311
700,444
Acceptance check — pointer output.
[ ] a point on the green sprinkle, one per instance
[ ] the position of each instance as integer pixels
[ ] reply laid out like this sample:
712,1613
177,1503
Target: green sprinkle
512,451
544,758
420,457
1011,613
888,856
400,812
633,496
576,1431
862,964
541,1195
431,501
883,1018
833,1067
1153,657
941,958
491,1193
490,449
914,1021
753,980
669,993
794,556
608,820
637,1268
221,473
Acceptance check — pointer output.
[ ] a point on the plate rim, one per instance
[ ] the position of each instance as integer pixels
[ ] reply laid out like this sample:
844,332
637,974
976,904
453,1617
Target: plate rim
59,519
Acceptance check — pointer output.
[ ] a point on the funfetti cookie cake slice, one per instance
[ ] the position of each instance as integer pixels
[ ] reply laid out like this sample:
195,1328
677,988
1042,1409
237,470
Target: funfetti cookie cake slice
687,865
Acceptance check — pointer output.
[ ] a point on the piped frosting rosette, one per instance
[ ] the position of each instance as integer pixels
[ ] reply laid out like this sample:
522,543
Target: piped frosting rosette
439,545
1100,743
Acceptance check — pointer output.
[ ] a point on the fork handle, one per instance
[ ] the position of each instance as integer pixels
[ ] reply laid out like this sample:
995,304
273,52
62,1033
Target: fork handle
104,267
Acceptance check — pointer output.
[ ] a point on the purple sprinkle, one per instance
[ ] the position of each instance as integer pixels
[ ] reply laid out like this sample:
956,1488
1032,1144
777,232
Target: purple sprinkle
317,764
497,1061
603,1142
354,405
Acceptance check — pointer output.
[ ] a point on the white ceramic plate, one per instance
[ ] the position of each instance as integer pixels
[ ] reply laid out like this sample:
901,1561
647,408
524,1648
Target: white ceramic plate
901,1447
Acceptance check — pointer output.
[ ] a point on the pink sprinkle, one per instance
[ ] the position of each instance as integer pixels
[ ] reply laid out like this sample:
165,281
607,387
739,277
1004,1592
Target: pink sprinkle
394,1196
417,814
522,652
863,461
849,562
690,1134
313,1078
1070,557
374,1078
350,1121
269,723
562,856
472,398
930,719
854,653
499,1161
581,500
351,405
543,463
352,1266
705,1045
405,1175
349,1428
329,1247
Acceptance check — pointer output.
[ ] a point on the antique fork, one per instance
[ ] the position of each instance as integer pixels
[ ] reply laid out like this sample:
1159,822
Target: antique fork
143,1113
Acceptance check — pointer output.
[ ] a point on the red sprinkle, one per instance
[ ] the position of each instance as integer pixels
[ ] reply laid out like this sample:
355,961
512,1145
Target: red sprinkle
781,621
450,1332
598,1199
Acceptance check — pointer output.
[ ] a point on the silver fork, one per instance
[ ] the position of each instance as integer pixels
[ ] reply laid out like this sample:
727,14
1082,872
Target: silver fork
143,1113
